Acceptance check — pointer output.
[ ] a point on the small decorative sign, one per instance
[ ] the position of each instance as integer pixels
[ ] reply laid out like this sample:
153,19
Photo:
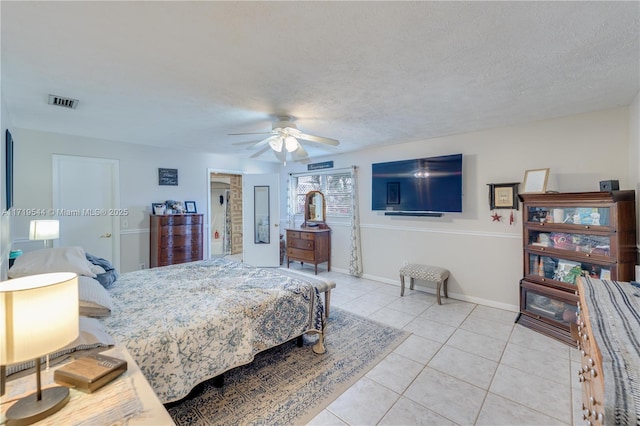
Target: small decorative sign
320,166
168,176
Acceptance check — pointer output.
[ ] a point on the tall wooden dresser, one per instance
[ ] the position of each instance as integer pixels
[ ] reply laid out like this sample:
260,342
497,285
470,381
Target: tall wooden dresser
175,239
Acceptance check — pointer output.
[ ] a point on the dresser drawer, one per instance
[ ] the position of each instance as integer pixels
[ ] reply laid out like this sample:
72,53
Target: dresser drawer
293,234
308,235
181,240
299,254
180,230
172,220
302,244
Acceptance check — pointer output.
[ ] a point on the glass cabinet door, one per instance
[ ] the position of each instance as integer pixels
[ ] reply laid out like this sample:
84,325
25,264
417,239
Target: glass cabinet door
547,306
590,216
563,271
583,243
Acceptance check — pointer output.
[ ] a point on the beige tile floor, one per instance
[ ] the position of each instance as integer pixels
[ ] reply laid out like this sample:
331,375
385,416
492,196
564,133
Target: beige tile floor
463,364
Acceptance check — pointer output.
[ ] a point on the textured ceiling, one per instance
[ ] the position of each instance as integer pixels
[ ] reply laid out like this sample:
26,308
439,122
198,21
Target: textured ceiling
368,74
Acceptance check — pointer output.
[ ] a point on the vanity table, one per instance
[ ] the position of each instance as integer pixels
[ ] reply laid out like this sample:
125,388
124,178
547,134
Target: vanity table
311,242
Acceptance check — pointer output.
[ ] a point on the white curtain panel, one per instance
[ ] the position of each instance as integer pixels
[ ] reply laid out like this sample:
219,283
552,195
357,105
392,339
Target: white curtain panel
355,265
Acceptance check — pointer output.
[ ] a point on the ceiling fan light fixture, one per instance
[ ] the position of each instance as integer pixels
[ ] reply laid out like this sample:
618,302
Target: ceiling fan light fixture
291,143
276,143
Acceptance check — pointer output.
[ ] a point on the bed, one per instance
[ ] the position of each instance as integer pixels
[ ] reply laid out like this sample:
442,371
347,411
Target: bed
187,323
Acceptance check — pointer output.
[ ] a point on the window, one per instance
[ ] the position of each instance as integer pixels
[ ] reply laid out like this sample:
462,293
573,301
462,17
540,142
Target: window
337,189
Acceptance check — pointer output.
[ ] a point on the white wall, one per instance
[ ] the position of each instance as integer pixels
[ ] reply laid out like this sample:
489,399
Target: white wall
138,181
484,257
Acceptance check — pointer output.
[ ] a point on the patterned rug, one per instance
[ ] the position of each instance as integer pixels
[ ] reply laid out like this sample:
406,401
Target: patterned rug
291,385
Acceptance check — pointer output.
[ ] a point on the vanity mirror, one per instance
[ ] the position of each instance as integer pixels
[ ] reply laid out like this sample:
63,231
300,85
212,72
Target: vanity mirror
311,243
314,209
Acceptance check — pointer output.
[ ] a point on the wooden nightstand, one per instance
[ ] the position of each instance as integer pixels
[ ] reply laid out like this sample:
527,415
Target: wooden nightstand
129,393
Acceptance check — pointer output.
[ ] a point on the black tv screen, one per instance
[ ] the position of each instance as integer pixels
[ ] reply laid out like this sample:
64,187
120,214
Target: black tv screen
431,184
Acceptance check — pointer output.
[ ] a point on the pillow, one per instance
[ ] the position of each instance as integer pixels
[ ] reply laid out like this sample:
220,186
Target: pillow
63,259
92,335
108,275
95,300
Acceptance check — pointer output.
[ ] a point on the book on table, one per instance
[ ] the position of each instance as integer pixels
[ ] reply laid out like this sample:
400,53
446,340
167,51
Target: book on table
90,373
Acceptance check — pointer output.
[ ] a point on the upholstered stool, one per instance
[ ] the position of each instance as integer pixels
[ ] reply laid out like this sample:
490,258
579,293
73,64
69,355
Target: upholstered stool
425,273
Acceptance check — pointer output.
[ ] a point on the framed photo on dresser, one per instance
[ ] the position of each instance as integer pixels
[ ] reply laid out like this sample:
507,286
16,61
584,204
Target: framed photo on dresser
190,207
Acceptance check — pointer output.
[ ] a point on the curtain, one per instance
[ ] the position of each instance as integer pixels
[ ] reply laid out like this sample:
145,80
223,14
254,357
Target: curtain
226,242
355,265
291,190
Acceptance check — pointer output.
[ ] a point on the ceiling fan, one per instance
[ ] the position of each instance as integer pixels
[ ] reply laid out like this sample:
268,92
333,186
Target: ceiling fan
285,138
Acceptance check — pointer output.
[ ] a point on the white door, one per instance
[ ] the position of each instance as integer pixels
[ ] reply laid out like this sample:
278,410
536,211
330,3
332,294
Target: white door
86,199
261,220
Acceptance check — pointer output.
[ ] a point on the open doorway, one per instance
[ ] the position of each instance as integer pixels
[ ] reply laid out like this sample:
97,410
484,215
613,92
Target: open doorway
225,213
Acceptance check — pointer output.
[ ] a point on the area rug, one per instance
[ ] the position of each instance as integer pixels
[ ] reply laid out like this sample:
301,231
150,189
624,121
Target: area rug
288,385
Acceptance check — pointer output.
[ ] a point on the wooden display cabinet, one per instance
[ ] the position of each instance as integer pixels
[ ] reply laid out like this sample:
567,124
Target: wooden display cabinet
567,235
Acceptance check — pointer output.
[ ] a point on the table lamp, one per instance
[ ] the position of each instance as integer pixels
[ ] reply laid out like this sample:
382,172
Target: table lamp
44,230
38,315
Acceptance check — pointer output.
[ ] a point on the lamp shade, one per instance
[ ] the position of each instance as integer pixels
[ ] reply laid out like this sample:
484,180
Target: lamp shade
44,229
38,315
291,143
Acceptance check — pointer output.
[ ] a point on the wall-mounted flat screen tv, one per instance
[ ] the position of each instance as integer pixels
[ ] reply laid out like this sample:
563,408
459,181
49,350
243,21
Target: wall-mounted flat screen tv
431,184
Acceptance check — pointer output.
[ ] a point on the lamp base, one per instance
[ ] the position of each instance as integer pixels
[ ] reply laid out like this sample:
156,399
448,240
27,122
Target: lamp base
29,410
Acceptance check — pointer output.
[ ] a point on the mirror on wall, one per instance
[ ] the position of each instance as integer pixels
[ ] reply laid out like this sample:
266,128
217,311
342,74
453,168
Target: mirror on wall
314,208
261,215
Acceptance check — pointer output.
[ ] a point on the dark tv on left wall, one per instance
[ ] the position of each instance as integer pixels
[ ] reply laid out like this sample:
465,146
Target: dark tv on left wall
9,169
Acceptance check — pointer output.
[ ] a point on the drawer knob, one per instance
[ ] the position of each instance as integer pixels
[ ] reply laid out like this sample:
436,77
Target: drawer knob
594,373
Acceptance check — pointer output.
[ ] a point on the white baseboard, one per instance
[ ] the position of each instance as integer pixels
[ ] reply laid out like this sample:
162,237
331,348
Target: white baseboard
457,296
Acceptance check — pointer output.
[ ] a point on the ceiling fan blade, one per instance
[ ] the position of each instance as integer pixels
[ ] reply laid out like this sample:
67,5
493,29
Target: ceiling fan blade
246,143
250,133
319,139
259,153
299,153
263,142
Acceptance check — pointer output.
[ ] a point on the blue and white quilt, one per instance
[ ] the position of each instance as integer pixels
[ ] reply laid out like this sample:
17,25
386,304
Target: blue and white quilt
187,323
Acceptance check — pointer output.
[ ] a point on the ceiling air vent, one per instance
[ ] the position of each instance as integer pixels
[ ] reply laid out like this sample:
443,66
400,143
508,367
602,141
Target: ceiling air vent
63,102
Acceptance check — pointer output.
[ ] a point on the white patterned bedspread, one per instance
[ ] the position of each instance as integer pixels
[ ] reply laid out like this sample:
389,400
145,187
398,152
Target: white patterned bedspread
187,323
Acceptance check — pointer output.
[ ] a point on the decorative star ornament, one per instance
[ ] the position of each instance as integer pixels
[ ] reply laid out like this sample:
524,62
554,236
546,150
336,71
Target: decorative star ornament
496,217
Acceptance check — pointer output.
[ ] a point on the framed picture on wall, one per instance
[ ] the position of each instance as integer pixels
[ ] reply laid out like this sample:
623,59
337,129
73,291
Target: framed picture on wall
503,195
190,207
167,176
